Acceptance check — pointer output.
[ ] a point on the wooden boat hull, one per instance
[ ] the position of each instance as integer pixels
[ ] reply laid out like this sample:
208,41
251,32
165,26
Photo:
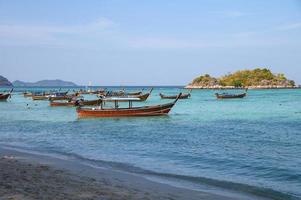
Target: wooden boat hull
4,97
97,92
60,98
57,104
134,93
234,96
90,103
142,97
83,92
77,103
38,98
183,96
144,111
26,94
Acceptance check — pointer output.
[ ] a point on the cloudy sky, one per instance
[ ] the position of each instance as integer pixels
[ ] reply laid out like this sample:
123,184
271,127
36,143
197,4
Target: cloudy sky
147,42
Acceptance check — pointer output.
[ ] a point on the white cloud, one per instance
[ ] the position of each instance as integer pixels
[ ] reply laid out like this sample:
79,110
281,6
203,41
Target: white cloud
289,27
52,35
226,41
104,32
99,25
40,34
280,28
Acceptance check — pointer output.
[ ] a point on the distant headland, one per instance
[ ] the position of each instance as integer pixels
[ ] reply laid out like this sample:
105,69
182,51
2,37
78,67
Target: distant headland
259,78
44,83
4,82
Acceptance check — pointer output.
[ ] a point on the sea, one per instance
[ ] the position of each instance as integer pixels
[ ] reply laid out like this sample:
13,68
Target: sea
250,145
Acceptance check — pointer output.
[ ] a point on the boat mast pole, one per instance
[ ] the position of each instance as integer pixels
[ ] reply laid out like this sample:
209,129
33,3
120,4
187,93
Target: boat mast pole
130,104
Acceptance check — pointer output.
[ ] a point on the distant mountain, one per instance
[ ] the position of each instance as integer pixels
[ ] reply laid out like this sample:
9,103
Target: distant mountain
44,83
5,82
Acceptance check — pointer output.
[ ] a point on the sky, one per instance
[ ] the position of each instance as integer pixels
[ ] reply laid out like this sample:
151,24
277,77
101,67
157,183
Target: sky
147,42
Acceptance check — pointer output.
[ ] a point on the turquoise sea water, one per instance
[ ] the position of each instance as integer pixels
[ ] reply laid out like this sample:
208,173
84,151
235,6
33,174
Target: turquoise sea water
251,145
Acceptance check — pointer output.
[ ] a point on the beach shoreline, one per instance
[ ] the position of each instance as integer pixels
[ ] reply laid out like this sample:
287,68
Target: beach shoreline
26,176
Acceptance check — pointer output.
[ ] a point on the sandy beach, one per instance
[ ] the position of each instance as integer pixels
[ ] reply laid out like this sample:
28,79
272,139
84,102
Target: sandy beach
26,176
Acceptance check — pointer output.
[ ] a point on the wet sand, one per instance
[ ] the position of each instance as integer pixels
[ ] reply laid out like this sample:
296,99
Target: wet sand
26,176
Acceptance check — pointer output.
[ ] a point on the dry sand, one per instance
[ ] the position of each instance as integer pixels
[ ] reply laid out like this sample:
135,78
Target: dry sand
21,180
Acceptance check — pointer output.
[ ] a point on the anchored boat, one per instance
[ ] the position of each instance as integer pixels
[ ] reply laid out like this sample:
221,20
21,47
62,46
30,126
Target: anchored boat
133,93
5,96
130,111
183,96
89,91
62,97
231,96
40,96
138,97
27,94
52,96
79,102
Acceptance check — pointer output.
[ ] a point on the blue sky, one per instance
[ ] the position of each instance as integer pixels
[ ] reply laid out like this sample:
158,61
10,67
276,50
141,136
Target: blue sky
147,42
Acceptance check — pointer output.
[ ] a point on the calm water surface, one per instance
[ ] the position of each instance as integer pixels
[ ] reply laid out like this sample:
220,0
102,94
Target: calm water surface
251,144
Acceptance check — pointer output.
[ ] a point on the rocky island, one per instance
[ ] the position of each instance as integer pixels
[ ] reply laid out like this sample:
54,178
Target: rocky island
252,79
45,83
4,82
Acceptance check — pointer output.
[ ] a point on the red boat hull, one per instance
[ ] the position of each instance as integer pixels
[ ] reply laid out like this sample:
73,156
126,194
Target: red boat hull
158,110
4,97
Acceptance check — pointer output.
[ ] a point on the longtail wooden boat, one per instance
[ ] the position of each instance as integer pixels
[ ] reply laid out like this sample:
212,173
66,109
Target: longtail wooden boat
83,92
66,97
100,91
130,111
27,94
124,93
39,97
5,96
52,96
80,102
231,96
114,94
140,97
134,93
183,96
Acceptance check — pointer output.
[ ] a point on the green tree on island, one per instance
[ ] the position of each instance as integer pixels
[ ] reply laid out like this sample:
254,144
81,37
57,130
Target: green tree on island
245,78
